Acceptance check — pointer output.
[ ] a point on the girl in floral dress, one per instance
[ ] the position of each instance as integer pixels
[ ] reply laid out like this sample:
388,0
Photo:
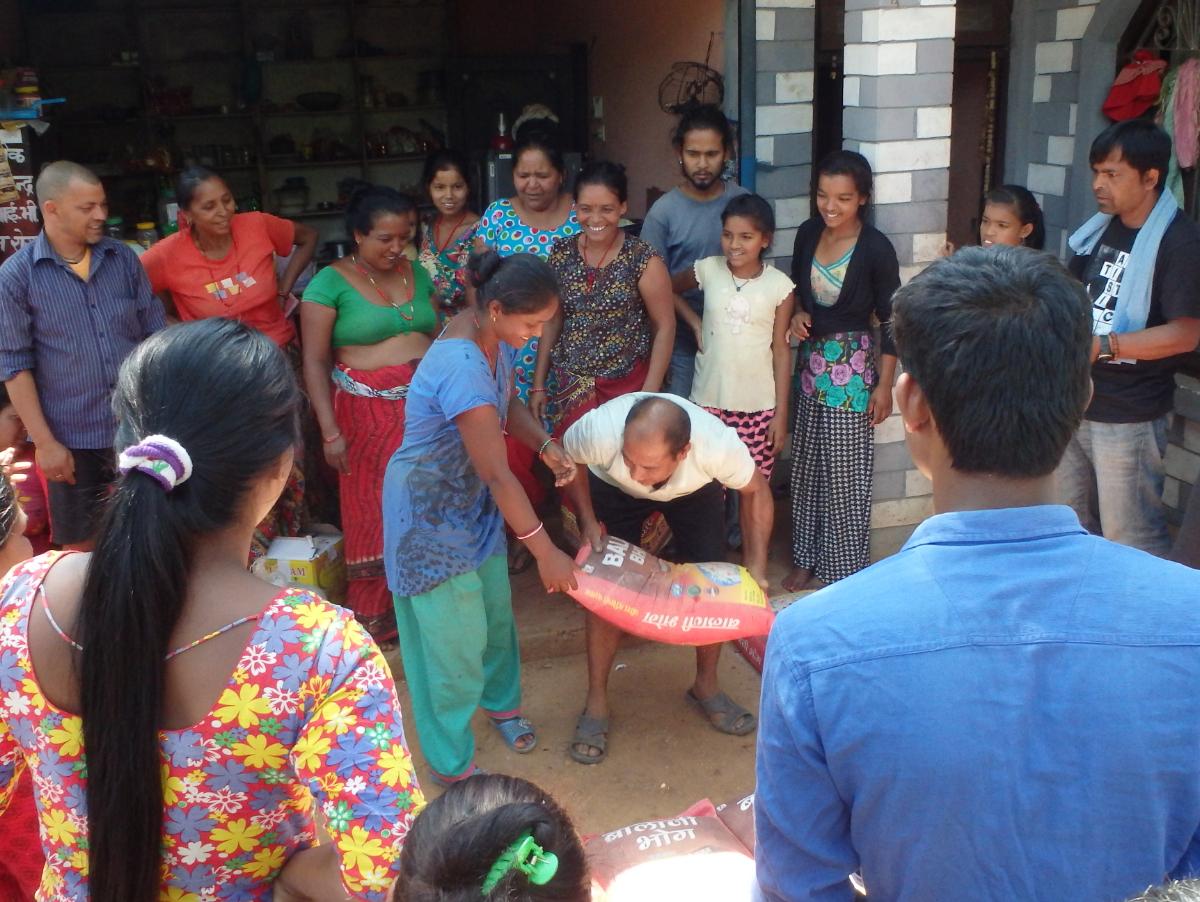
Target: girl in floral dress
182,719
447,238
845,272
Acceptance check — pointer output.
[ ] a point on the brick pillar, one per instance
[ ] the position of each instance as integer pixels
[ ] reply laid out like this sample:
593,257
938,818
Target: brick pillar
784,32
899,71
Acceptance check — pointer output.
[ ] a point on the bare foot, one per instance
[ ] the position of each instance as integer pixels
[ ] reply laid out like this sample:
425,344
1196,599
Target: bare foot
816,583
797,579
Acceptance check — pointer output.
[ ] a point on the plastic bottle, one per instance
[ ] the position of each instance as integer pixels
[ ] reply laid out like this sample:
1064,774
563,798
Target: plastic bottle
147,234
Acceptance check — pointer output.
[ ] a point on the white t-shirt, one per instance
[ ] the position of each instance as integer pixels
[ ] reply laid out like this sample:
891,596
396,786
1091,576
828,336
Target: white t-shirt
735,370
596,440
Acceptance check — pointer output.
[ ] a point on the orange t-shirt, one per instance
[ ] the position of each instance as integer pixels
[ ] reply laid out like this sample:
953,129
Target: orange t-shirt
240,286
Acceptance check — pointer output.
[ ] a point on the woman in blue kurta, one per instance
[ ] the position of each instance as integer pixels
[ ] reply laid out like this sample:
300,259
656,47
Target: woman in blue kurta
446,497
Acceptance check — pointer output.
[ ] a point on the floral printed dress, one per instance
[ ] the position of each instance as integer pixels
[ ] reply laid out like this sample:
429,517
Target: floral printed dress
309,717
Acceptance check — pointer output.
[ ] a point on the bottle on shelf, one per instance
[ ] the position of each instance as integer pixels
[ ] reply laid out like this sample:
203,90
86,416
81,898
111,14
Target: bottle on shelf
501,141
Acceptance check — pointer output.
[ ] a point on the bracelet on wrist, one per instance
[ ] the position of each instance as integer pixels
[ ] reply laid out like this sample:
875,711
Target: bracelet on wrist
546,444
329,440
533,532
537,391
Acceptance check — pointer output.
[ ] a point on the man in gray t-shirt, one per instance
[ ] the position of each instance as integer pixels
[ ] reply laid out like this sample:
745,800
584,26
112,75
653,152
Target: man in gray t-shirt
684,225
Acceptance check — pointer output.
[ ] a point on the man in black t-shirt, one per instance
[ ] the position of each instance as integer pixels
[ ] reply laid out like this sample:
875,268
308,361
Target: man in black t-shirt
1112,473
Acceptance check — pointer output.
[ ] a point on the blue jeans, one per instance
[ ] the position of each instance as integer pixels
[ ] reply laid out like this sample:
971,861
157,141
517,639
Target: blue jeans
1112,475
680,372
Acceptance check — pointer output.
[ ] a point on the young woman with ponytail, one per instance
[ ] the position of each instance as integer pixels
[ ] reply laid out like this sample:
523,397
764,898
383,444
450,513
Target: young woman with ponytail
213,707
446,497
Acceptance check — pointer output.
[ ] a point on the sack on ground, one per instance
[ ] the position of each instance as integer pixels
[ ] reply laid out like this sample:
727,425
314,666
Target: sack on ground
683,604
692,856
738,816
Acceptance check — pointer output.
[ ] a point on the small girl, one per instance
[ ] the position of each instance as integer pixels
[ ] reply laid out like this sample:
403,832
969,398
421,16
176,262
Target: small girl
1011,217
447,237
742,367
493,837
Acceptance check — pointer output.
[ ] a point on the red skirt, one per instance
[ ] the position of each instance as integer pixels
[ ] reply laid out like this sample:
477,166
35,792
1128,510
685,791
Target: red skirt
373,428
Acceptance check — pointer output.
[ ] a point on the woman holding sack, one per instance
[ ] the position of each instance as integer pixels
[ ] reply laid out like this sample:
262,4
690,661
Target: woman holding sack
368,319
845,272
446,498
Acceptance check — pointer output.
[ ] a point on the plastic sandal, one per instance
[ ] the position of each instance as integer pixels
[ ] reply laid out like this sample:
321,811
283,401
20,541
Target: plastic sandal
593,733
447,782
513,728
725,714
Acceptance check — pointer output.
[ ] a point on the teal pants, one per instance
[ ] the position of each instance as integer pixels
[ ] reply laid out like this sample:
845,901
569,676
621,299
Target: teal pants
458,642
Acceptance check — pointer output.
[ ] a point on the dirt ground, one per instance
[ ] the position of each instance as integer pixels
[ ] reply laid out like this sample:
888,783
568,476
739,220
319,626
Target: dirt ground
663,755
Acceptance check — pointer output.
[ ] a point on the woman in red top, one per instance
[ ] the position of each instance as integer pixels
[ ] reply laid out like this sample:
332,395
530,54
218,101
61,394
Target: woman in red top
222,263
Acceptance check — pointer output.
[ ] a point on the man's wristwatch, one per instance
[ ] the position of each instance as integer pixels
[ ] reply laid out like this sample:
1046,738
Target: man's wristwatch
1106,353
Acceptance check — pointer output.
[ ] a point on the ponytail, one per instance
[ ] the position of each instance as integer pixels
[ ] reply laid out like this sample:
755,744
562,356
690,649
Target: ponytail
226,394
521,283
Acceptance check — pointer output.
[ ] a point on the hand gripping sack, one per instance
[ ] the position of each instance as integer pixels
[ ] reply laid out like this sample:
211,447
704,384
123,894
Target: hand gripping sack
682,604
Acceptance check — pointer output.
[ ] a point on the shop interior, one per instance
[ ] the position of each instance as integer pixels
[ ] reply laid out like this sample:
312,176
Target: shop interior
291,99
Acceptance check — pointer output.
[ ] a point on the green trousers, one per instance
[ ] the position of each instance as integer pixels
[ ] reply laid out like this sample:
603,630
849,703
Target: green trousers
458,642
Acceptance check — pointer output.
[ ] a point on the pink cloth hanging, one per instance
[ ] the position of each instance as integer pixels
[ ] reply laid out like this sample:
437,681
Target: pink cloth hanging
1187,111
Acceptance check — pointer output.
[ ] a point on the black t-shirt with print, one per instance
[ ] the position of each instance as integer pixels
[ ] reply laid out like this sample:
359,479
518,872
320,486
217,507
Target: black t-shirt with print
1141,391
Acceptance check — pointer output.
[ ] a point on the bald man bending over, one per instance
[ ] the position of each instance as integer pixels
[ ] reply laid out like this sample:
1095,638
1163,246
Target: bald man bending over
655,452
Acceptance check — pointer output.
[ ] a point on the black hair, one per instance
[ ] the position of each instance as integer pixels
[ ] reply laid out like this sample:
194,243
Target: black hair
970,330
10,509
455,841
705,117
189,180
1029,212
754,208
671,417
542,144
368,202
188,382
521,283
846,162
609,175
1142,144
446,158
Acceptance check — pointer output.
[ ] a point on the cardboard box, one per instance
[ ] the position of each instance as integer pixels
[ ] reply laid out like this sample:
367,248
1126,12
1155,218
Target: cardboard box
752,648
307,562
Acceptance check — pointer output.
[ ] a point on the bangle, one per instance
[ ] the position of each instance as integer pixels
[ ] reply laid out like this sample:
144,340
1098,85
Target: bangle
533,532
546,444
537,391
333,438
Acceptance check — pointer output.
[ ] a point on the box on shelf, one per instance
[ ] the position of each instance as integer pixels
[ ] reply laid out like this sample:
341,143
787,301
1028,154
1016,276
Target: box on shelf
308,562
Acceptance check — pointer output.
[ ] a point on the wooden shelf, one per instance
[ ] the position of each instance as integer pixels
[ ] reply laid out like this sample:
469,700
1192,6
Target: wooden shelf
319,214
315,164
366,111
403,158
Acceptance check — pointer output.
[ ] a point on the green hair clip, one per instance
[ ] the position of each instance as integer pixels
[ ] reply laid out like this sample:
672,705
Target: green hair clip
526,856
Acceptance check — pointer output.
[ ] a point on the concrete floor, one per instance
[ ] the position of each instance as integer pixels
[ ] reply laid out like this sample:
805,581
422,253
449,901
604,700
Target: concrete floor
662,755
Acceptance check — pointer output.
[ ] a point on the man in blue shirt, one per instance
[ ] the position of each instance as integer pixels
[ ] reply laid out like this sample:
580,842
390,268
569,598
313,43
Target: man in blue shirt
1007,708
73,304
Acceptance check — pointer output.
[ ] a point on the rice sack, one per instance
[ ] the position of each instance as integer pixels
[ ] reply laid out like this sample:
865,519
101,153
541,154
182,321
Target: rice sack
682,604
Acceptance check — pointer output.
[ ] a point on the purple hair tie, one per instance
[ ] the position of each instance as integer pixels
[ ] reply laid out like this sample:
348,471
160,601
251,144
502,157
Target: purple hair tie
162,458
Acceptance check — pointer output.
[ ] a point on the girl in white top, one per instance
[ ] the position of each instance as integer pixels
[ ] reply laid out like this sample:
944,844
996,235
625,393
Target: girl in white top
743,366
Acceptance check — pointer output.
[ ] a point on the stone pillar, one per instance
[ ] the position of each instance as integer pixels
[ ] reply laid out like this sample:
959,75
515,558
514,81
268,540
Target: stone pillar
785,47
1182,462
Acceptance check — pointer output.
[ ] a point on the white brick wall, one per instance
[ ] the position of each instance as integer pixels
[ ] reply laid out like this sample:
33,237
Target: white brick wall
881,59
764,149
1071,24
850,90
788,4
1053,56
764,25
1047,179
1041,88
893,188
1060,151
784,119
927,246
907,24
895,156
933,122
790,212
793,87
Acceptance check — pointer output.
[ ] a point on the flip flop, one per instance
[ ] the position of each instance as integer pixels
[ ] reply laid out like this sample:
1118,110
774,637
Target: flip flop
513,728
520,559
725,714
447,782
593,733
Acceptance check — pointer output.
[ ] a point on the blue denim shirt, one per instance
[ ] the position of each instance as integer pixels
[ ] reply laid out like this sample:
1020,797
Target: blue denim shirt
1007,709
74,334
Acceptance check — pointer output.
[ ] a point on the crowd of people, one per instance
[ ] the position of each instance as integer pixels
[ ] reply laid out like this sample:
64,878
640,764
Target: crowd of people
1004,709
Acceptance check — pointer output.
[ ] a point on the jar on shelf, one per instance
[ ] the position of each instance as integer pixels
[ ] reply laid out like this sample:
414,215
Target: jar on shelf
114,227
147,234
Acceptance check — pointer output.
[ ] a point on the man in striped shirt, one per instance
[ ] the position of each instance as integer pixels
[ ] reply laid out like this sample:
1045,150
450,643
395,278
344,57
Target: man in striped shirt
73,304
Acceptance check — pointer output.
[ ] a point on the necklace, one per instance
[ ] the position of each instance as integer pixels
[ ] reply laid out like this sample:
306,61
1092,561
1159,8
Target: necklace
736,287
382,295
594,271
441,248
491,358
77,260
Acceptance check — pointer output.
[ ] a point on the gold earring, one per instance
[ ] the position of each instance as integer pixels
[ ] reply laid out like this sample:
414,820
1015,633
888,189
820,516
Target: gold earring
493,319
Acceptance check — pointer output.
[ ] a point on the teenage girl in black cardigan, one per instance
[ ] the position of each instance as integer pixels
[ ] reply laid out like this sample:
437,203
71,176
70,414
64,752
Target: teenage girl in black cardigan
845,272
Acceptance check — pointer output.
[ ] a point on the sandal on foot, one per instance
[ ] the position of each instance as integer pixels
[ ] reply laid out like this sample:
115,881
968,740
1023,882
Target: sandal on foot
520,559
447,782
591,732
725,714
513,728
